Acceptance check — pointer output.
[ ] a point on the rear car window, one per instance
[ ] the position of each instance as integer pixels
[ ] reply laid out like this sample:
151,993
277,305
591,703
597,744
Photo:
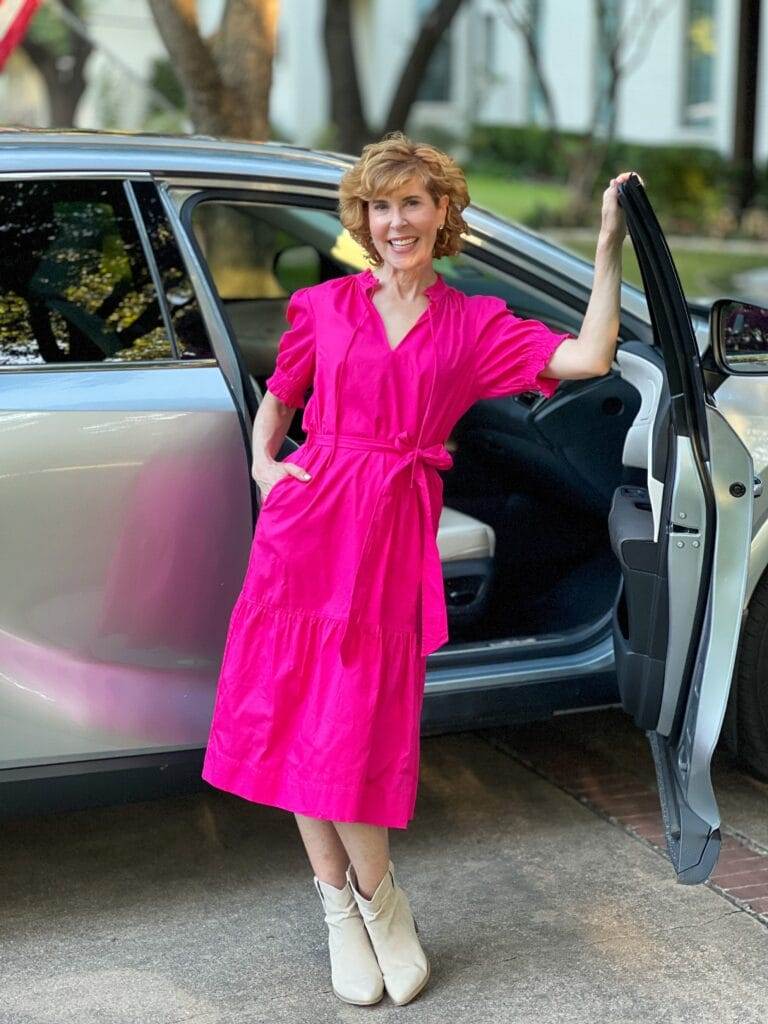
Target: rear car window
74,281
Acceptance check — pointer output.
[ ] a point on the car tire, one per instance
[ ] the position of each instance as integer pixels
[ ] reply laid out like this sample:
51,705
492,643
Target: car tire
745,729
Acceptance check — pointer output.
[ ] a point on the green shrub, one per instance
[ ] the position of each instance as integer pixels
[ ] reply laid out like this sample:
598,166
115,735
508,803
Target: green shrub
437,135
689,185
526,150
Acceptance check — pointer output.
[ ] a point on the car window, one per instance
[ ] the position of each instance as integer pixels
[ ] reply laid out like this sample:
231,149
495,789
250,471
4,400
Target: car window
259,253
74,282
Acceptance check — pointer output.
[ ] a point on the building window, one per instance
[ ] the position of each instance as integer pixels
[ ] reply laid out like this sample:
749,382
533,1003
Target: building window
436,84
700,51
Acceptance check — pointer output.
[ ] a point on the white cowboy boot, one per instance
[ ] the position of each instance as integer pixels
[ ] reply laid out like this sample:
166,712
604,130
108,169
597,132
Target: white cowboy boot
355,973
388,919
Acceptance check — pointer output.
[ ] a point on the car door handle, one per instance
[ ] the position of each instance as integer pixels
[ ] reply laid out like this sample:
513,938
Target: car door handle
757,489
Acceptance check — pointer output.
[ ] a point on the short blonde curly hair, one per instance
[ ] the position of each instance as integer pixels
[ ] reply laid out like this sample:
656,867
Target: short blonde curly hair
388,164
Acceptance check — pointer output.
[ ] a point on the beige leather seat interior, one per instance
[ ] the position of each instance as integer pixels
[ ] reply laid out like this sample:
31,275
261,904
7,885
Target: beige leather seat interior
460,536
467,549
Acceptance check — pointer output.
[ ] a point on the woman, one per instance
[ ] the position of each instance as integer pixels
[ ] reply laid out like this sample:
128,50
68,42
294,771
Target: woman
319,699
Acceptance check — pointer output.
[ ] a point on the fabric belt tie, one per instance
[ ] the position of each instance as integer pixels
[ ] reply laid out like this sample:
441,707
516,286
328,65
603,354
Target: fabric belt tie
433,618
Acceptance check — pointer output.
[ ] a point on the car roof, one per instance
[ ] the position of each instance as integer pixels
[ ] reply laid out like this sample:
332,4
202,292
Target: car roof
33,149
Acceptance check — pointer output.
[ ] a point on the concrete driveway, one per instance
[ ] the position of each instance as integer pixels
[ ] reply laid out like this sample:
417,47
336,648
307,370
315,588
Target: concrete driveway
532,903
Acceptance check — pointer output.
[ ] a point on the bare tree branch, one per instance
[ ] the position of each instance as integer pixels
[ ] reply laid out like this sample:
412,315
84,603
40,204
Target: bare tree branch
347,114
647,28
432,29
614,44
522,21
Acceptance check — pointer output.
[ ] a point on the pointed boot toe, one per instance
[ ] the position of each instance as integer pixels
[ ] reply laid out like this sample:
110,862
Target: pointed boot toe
389,922
355,973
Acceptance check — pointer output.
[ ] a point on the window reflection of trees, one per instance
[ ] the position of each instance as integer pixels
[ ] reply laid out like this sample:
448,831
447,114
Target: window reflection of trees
746,334
74,284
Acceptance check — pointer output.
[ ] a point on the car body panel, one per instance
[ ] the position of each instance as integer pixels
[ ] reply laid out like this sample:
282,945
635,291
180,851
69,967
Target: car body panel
126,516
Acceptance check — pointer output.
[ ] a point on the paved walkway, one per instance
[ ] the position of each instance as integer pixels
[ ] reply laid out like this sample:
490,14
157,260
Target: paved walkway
530,905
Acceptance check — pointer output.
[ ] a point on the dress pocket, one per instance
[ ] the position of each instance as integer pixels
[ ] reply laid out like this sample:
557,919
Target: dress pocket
283,479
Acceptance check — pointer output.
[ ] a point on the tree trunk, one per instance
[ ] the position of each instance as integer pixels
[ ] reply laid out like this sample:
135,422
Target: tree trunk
352,130
534,58
244,50
65,86
433,27
586,167
227,82
746,100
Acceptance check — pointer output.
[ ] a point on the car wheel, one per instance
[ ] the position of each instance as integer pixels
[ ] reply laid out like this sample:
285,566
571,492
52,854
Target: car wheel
745,730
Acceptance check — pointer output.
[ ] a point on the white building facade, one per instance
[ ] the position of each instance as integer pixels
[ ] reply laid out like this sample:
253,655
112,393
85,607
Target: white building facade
679,86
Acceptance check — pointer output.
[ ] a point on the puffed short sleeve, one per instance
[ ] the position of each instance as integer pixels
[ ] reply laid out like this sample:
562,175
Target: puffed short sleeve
295,363
511,352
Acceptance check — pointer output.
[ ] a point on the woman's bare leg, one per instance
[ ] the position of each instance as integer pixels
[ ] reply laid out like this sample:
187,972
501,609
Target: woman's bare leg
325,850
368,849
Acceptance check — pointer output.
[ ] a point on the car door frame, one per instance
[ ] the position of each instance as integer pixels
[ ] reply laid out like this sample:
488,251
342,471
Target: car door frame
695,692
512,673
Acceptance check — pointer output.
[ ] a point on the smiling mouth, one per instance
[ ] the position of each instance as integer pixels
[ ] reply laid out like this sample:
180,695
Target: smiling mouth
403,243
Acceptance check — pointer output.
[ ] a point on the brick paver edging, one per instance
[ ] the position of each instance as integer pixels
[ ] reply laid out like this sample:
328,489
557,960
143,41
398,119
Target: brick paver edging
741,873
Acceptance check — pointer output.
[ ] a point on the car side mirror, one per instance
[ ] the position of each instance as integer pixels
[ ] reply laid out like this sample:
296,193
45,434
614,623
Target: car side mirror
738,333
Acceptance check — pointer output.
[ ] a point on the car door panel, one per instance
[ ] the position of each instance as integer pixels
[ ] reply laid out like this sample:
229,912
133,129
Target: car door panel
126,524
126,511
567,447
684,560
645,443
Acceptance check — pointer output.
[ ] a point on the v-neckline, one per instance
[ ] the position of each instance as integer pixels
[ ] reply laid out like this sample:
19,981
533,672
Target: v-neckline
371,285
383,326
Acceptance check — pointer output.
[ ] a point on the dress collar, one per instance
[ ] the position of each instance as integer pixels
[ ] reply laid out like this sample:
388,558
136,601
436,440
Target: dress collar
433,291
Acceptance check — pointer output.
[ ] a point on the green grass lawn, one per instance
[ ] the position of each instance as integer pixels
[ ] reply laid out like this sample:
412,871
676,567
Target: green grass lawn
516,198
704,272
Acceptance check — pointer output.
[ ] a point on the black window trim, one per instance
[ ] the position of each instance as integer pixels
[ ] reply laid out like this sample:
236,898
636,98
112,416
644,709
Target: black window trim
149,255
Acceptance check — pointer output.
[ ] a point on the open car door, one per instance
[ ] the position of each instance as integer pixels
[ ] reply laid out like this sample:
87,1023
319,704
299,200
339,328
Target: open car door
683,546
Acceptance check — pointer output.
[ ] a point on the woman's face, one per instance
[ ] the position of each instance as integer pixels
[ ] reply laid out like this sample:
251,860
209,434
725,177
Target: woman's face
403,225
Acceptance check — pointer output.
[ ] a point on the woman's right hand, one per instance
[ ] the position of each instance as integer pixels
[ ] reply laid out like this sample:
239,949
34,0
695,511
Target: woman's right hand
266,474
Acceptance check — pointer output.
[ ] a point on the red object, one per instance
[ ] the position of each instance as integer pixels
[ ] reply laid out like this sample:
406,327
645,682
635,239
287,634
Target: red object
15,16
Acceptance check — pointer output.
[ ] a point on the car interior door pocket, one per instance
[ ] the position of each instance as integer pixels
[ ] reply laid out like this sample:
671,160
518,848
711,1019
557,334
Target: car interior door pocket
640,605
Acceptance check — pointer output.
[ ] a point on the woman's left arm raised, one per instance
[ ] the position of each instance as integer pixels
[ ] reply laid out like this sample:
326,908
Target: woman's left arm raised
591,354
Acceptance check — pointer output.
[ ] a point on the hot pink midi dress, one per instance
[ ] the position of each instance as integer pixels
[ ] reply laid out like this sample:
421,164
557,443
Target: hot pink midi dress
319,698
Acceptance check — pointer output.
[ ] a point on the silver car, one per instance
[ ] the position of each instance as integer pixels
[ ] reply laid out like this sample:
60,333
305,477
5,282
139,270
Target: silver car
606,544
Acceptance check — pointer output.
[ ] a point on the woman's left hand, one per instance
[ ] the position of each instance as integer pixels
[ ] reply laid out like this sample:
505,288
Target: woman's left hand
614,224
